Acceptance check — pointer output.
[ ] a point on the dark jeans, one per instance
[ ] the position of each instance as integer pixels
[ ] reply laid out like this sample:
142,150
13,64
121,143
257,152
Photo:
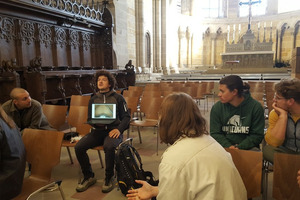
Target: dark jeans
91,140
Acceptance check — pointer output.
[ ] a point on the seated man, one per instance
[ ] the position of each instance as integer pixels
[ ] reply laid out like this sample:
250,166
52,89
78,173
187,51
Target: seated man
26,112
237,120
283,134
109,134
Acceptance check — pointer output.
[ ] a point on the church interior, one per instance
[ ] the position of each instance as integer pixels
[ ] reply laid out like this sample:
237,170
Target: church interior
53,48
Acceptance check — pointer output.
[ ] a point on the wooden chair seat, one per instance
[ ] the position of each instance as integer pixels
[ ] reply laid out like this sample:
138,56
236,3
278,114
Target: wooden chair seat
145,123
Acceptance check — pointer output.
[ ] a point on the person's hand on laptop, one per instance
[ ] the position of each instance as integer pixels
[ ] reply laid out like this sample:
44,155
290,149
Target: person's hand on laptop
115,133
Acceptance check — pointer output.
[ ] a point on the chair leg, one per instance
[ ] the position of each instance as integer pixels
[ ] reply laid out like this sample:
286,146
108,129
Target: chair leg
47,186
70,156
100,158
139,134
265,173
60,189
157,143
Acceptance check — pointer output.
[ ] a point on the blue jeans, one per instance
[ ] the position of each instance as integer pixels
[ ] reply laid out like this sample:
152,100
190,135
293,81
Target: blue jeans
93,139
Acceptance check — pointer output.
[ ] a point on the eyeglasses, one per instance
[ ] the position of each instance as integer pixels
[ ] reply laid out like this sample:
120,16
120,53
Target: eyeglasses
277,97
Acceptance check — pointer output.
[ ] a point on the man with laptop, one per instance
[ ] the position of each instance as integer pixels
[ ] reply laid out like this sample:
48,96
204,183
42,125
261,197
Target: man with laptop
109,117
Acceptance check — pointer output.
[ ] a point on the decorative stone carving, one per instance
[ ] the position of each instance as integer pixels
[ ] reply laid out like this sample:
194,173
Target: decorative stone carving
249,52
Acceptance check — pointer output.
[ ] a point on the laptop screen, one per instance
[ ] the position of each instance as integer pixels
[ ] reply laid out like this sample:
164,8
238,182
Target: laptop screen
103,111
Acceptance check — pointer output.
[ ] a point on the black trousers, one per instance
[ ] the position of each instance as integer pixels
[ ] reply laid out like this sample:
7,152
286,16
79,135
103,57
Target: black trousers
91,140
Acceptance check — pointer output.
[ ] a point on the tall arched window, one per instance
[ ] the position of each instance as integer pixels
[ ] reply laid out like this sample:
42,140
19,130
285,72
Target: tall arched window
288,5
210,8
258,7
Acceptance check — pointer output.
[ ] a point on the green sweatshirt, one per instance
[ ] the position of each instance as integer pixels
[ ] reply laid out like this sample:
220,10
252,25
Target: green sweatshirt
242,126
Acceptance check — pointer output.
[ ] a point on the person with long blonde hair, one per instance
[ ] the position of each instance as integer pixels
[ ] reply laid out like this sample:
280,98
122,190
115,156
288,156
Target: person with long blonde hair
194,166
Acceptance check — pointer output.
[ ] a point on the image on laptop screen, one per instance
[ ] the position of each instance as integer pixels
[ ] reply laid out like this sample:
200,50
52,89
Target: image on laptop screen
103,111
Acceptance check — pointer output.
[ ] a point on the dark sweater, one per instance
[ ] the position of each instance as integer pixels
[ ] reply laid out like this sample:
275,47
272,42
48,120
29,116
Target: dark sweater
242,126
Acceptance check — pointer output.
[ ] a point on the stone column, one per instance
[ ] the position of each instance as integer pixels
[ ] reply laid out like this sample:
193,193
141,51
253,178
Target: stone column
188,48
181,36
295,63
279,36
164,51
213,37
140,44
157,36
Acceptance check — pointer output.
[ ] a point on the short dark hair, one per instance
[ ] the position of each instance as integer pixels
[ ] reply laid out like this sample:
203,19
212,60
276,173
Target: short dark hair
289,88
235,82
111,79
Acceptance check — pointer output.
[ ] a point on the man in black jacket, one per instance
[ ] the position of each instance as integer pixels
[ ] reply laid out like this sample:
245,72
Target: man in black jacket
109,134
12,158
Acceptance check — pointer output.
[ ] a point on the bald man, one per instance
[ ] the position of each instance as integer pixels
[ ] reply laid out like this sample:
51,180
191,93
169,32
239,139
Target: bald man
26,112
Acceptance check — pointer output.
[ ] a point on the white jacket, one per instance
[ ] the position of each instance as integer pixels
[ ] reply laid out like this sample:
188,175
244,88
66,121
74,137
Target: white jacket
199,168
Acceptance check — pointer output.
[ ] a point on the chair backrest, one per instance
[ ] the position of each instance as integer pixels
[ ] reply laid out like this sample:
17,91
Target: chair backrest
80,100
285,184
132,103
151,106
249,165
77,118
151,93
132,93
56,114
43,149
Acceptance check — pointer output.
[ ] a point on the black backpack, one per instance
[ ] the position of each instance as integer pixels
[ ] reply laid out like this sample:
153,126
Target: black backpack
129,168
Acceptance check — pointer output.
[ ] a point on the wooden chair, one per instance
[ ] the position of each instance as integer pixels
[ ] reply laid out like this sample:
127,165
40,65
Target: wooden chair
256,86
80,100
132,93
43,148
132,104
77,118
285,184
56,115
152,86
249,165
150,107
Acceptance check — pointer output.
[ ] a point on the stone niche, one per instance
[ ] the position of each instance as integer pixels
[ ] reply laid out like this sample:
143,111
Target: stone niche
248,52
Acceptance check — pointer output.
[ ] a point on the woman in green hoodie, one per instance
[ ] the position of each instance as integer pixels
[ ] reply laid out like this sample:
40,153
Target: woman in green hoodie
237,120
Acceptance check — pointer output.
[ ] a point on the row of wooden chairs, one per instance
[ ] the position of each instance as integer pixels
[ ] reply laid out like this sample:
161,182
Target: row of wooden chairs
263,91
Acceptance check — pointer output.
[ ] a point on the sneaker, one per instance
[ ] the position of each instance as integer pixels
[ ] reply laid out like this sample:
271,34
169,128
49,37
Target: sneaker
85,184
108,185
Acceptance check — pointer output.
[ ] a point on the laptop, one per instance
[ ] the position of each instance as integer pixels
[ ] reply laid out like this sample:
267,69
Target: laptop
103,113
